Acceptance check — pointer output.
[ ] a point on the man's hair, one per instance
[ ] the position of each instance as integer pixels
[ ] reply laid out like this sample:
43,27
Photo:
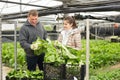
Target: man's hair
33,12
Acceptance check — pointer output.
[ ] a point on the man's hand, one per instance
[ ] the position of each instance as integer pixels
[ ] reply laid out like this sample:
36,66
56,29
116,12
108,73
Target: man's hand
34,46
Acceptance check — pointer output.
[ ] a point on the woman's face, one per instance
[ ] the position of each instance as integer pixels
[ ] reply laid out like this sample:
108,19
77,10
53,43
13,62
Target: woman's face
67,25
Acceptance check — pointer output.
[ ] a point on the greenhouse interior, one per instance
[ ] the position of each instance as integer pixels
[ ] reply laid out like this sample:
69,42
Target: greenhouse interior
98,22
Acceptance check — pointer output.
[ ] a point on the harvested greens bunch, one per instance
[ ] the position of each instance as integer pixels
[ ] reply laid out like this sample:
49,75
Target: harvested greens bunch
56,52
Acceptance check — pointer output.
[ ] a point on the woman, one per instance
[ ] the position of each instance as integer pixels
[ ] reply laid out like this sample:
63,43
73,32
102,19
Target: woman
70,35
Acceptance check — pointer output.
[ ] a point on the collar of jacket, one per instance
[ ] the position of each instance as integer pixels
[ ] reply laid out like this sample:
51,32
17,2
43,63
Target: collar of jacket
73,31
28,24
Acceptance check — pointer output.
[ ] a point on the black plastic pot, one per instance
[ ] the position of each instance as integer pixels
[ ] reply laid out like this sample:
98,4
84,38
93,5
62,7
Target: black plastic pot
64,72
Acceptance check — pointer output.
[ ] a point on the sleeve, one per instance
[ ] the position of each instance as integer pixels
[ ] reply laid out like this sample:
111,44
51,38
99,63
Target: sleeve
78,44
60,38
23,36
45,34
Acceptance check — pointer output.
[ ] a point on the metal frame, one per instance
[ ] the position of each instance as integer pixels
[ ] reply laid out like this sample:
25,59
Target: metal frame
0,51
24,4
45,12
87,49
15,45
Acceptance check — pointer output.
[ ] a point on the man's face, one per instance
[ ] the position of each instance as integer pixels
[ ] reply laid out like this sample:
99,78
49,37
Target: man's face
33,20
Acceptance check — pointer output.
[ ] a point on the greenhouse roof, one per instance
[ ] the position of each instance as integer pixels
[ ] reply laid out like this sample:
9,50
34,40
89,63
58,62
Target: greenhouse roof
12,9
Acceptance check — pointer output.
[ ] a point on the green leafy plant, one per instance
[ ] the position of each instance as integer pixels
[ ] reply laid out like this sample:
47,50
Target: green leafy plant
19,74
56,52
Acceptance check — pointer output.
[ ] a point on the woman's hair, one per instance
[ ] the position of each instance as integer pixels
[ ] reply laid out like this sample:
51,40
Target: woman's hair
71,20
33,12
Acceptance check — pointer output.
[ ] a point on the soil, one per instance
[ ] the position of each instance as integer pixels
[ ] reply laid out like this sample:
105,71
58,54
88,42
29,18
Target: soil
115,66
5,69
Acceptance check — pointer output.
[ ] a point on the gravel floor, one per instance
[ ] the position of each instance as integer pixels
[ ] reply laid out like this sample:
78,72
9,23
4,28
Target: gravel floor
5,70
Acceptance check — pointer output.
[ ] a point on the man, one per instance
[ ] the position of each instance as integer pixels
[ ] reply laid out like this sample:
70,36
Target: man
29,32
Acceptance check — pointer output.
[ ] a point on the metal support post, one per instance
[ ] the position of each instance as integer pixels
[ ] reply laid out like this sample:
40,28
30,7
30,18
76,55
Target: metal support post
15,44
87,49
96,26
0,49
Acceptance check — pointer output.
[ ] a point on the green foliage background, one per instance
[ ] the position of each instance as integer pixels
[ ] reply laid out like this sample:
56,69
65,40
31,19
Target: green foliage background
102,53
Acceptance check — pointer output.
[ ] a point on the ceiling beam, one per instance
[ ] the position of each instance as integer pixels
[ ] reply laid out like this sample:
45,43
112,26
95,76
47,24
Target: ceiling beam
66,10
94,4
24,4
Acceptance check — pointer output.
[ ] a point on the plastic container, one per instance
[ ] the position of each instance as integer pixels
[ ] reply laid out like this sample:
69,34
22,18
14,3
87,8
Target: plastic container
64,72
